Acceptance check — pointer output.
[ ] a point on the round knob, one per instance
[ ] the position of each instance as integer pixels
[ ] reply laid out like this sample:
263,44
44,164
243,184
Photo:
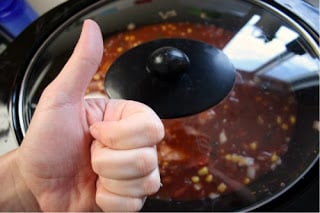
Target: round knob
159,74
168,62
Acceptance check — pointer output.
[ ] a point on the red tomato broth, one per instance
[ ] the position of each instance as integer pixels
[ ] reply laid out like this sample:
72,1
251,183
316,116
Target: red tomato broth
234,142
225,147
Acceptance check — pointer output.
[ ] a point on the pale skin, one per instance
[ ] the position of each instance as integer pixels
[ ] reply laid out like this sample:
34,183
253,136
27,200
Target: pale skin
83,154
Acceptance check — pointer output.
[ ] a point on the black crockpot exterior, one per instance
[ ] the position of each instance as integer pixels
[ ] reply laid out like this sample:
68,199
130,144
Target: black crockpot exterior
304,196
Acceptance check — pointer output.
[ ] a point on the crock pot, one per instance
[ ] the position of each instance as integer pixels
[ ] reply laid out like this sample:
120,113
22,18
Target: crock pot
273,45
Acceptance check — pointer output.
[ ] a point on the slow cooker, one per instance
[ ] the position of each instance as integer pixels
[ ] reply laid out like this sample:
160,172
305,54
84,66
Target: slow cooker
256,148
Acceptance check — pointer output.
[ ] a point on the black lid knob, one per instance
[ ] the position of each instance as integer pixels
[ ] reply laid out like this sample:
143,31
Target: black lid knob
175,77
168,63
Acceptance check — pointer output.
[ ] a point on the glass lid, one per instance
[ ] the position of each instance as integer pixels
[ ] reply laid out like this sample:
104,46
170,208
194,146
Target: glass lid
240,153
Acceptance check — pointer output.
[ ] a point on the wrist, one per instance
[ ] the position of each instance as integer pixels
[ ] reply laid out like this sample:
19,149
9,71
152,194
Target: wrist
15,194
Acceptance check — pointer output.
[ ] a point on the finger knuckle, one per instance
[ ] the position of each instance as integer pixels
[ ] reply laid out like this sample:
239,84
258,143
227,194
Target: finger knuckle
99,199
152,184
156,130
110,202
146,162
134,204
109,140
97,163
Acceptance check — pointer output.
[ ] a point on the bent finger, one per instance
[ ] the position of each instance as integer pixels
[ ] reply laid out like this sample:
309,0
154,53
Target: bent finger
110,202
143,129
123,164
138,187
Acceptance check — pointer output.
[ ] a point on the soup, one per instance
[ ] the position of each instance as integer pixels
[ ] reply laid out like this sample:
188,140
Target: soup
226,147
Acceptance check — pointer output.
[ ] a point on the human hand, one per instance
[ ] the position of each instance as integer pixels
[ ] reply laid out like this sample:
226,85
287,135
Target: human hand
125,141
61,166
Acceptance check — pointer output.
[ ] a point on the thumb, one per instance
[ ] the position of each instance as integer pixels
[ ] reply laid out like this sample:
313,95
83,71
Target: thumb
74,78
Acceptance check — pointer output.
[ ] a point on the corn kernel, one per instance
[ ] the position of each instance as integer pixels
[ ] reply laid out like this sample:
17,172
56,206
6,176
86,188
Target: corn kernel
203,171
274,157
119,49
246,180
189,30
279,120
96,77
195,179
227,156
165,164
209,178
136,44
100,85
253,145
235,158
284,126
292,119
222,187
127,38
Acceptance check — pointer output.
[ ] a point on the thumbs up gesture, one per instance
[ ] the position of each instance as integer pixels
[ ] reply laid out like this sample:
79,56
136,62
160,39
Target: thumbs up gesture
86,154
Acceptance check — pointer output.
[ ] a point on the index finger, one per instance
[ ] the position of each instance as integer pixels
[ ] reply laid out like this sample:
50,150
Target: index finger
138,130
